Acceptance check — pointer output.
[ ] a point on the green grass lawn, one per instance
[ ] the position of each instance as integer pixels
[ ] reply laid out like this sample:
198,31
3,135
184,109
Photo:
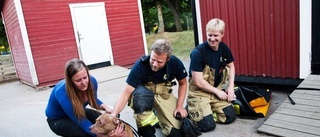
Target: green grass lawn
182,42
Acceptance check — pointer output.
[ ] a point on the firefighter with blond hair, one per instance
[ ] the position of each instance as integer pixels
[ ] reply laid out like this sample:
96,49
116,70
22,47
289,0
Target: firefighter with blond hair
211,75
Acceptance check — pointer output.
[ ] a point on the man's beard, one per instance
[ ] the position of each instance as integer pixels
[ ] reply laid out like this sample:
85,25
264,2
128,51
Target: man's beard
155,69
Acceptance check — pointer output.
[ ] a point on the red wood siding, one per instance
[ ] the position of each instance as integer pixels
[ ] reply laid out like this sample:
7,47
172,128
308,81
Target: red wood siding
262,34
16,43
50,31
125,31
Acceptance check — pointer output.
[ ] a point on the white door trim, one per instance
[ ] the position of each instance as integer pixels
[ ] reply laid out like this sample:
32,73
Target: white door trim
73,16
26,43
305,38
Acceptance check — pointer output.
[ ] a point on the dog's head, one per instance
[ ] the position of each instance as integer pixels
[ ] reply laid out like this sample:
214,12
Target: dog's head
105,123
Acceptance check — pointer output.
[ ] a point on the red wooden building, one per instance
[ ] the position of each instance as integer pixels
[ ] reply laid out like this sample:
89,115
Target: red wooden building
44,34
270,39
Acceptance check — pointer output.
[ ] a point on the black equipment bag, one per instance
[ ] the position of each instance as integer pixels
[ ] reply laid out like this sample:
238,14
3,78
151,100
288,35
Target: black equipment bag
251,101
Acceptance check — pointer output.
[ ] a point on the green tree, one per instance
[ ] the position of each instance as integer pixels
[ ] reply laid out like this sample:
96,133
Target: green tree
161,27
3,38
166,13
174,6
152,14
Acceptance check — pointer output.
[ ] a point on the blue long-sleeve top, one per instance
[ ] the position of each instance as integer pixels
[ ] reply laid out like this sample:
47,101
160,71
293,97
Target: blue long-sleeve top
59,105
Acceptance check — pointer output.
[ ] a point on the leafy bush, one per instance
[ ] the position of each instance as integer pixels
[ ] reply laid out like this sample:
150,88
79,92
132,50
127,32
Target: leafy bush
4,48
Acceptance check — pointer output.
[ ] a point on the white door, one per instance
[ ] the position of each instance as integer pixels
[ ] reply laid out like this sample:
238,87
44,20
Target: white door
91,32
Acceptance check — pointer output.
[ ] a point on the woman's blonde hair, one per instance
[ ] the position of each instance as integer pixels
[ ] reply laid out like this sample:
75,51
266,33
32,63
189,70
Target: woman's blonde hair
72,67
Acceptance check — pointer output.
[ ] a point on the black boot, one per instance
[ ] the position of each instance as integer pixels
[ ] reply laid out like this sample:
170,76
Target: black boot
175,133
147,131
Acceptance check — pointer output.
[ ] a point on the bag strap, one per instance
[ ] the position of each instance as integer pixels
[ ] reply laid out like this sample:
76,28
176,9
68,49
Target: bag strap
224,56
144,59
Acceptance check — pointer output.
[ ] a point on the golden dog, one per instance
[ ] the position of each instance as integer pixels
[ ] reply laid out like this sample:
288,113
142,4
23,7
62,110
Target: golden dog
105,123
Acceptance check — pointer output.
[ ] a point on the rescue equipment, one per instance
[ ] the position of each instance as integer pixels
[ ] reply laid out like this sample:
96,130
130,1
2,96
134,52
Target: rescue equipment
188,129
143,99
251,102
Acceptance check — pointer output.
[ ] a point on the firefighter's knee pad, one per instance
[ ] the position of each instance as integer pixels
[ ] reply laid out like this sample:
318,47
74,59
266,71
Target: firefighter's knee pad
143,99
175,133
230,114
207,123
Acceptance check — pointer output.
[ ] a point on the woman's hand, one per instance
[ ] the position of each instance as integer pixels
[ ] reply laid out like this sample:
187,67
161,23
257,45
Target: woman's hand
118,132
106,108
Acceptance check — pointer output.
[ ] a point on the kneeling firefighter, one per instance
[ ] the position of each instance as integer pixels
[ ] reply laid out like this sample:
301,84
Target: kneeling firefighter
149,90
207,101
